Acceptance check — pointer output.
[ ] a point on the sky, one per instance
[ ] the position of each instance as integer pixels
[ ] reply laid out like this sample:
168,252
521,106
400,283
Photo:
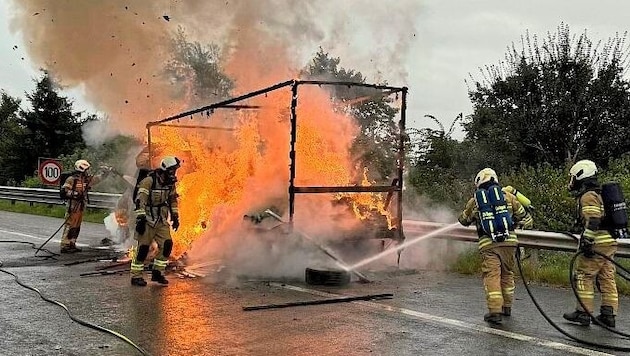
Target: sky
447,41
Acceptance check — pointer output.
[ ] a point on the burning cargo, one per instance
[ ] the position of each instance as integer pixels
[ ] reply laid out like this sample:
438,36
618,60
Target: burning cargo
244,166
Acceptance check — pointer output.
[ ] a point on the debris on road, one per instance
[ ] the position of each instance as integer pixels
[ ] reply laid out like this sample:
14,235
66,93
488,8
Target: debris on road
321,301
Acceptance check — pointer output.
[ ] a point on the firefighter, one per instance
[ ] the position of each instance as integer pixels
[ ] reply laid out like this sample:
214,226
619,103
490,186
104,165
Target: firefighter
76,189
156,201
498,255
585,187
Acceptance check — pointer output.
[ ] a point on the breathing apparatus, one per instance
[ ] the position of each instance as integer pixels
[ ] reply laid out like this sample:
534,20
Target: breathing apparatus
525,202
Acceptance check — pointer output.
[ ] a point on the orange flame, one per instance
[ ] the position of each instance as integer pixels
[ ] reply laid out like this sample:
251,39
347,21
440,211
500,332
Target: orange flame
226,174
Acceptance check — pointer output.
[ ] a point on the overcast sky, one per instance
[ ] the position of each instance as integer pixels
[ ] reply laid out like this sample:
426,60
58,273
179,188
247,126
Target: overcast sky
452,39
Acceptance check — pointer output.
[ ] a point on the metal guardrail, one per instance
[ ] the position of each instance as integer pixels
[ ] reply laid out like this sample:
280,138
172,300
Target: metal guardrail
51,196
543,240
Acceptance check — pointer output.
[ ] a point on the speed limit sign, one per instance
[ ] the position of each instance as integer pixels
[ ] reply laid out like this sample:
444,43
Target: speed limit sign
49,171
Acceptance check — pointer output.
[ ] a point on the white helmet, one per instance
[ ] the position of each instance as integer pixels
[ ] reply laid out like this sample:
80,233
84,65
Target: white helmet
583,169
169,163
486,175
81,165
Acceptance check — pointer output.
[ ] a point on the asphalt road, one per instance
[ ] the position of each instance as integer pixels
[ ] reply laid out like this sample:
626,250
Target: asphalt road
432,312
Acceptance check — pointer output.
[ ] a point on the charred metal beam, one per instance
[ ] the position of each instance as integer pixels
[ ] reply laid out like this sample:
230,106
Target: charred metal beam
222,104
352,84
197,127
401,155
347,189
294,97
321,301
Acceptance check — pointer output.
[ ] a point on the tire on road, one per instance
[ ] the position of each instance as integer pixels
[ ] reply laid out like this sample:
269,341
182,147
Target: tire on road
326,277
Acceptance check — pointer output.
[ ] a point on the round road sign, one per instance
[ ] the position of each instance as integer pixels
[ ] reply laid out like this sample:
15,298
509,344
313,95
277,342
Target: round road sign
50,171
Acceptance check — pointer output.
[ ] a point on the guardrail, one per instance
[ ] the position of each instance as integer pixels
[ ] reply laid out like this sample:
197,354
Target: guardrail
543,240
51,197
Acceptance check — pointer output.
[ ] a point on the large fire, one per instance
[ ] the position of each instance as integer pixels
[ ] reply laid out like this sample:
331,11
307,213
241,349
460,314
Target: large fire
226,174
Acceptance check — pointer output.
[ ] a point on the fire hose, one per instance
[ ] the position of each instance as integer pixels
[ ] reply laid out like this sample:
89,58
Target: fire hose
70,315
556,326
50,238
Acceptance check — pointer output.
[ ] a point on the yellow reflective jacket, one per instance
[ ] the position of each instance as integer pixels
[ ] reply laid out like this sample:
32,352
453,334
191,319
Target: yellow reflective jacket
78,185
590,212
519,215
156,201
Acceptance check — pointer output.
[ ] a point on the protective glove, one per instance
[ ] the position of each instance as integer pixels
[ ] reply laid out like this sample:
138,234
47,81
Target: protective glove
175,222
586,246
141,224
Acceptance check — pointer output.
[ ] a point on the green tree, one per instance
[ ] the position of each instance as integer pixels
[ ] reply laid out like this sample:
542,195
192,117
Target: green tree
50,127
11,132
196,68
110,153
553,102
440,167
376,145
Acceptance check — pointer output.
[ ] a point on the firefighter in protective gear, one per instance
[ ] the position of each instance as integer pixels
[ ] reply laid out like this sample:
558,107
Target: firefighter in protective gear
156,201
585,187
76,188
498,258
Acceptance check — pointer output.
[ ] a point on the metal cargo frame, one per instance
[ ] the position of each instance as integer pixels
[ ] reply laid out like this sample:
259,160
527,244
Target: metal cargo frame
397,184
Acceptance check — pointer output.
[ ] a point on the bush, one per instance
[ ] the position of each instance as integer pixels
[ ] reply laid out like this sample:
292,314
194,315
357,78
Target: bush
546,187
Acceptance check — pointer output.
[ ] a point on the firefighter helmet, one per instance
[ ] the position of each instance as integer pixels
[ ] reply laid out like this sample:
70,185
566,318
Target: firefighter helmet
169,163
579,172
81,165
583,169
486,175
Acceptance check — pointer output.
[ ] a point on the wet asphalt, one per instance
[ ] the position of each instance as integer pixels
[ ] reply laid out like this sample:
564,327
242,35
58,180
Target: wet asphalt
431,313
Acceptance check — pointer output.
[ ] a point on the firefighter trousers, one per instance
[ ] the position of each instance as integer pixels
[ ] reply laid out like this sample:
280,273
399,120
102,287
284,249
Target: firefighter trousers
497,267
72,225
161,234
588,269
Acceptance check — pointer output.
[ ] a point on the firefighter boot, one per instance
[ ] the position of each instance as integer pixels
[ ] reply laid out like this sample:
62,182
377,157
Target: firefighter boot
493,318
138,281
578,316
606,316
507,311
157,276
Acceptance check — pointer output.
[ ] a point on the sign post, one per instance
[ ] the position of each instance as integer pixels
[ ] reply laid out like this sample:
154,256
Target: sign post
49,171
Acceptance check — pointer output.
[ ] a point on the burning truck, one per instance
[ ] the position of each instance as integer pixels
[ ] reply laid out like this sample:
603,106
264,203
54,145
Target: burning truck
276,163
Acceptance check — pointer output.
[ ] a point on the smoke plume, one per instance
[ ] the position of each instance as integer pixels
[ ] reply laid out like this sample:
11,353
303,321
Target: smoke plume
116,52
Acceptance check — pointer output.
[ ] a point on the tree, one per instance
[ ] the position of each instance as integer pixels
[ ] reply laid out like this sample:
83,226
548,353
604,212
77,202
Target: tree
376,145
440,166
196,68
10,131
49,129
553,102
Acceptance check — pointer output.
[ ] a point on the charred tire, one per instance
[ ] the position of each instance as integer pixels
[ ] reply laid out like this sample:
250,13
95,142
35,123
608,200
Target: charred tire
327,277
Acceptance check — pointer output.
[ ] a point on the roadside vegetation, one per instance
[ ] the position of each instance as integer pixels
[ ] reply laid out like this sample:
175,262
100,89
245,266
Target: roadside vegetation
55,211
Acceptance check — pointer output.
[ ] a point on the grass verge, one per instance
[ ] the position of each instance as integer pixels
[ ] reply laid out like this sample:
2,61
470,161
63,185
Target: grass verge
552,268
56,211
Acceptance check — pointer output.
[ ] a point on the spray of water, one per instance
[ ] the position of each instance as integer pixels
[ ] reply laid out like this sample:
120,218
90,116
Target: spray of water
400,247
